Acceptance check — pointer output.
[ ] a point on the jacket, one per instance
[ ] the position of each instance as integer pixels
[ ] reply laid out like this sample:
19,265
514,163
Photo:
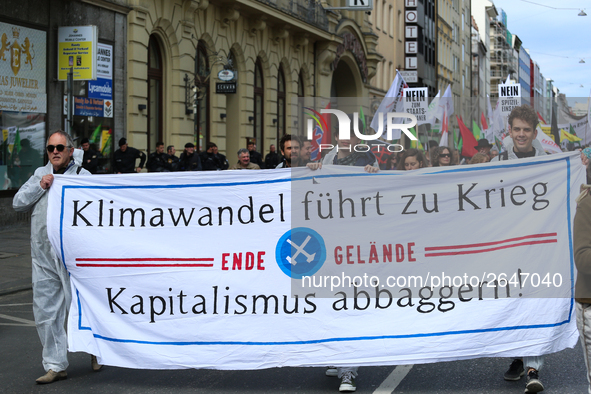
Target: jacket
189,162
31,196
158,162
511,154
125,161
582,245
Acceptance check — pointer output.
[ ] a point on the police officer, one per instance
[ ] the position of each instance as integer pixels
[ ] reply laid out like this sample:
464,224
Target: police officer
189,160
158,160
212,160
124,158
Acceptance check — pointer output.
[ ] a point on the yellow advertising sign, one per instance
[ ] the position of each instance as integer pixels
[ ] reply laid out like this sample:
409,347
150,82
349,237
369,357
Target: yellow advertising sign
77,46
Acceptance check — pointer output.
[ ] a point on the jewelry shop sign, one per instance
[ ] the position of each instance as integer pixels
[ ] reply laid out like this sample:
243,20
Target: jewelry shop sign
22,69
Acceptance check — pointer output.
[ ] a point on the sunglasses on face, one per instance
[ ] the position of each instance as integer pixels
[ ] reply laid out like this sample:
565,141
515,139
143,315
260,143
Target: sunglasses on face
445,155
60,148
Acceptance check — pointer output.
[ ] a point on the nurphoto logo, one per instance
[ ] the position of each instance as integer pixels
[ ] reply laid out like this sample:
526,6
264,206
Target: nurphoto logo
390,124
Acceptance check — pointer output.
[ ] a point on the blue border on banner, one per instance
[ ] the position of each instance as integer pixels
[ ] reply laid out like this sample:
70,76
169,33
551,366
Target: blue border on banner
327,340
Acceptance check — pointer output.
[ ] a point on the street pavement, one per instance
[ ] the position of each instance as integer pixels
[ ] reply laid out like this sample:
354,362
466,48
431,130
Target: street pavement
20,359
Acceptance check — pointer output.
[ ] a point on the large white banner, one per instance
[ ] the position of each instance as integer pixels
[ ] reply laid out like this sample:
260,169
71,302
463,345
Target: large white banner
202,270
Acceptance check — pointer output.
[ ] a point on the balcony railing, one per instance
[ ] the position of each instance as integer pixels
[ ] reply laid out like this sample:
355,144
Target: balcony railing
308,11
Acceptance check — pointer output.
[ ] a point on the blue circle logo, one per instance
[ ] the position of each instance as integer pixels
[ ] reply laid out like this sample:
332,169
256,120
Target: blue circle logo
300,252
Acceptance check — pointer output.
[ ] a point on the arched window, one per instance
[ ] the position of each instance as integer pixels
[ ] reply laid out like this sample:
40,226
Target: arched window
258,104
201,132
154,94
280,105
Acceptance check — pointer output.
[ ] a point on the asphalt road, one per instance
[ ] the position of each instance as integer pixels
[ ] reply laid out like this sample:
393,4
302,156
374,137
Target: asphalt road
20,365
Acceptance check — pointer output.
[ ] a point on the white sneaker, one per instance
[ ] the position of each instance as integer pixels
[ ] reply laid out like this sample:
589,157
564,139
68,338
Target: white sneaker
332,372
347,382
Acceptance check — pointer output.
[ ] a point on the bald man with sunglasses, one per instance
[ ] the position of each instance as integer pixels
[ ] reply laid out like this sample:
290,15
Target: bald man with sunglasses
51,284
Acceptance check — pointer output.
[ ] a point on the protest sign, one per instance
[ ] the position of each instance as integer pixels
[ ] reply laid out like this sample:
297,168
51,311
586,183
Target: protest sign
199,270
415,102
509,98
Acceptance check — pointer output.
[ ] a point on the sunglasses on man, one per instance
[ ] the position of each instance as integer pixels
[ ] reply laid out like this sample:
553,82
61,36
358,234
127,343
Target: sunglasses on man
60,148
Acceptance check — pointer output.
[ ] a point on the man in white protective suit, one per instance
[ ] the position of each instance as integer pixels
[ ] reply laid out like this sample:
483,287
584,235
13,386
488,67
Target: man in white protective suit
51,283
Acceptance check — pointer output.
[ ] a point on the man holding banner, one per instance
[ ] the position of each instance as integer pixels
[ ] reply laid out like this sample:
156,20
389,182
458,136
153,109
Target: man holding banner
51,283
344,154
523,121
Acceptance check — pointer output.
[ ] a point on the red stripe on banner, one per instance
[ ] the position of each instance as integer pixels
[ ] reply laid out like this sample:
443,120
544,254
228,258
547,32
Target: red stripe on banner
433,248
144,265
147,259
546,241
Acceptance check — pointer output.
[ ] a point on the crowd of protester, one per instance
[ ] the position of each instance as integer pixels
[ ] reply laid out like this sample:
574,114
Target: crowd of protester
294,152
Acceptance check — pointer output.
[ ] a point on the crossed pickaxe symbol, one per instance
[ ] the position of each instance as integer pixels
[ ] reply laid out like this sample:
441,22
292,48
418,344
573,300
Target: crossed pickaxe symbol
300,249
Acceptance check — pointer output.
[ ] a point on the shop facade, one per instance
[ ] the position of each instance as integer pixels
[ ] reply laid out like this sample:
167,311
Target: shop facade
32,99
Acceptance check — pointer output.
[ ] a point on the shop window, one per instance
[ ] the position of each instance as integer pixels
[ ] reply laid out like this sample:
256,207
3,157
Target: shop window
22,147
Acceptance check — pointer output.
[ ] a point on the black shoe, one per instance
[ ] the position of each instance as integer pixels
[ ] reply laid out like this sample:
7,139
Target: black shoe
515,371
533,384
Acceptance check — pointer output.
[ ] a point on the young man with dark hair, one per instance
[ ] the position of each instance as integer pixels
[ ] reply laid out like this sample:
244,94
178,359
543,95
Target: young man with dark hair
173,161
158,160
290,149
255,157
305,152
523,121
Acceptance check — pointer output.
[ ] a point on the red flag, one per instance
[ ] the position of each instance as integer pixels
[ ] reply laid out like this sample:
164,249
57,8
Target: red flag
326,137
483,122
540,117
468,149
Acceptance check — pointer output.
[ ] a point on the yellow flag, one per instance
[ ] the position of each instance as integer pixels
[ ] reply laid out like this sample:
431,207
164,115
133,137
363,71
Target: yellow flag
568,136
415,144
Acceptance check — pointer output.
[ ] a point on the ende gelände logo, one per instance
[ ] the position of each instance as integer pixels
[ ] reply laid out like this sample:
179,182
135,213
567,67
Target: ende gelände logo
345,128
300,252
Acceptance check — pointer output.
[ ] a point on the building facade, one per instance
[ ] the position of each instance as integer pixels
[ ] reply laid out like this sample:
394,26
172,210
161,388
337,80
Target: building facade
199,71
525,75
504,48
31,110
482,12
277,51
387,21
